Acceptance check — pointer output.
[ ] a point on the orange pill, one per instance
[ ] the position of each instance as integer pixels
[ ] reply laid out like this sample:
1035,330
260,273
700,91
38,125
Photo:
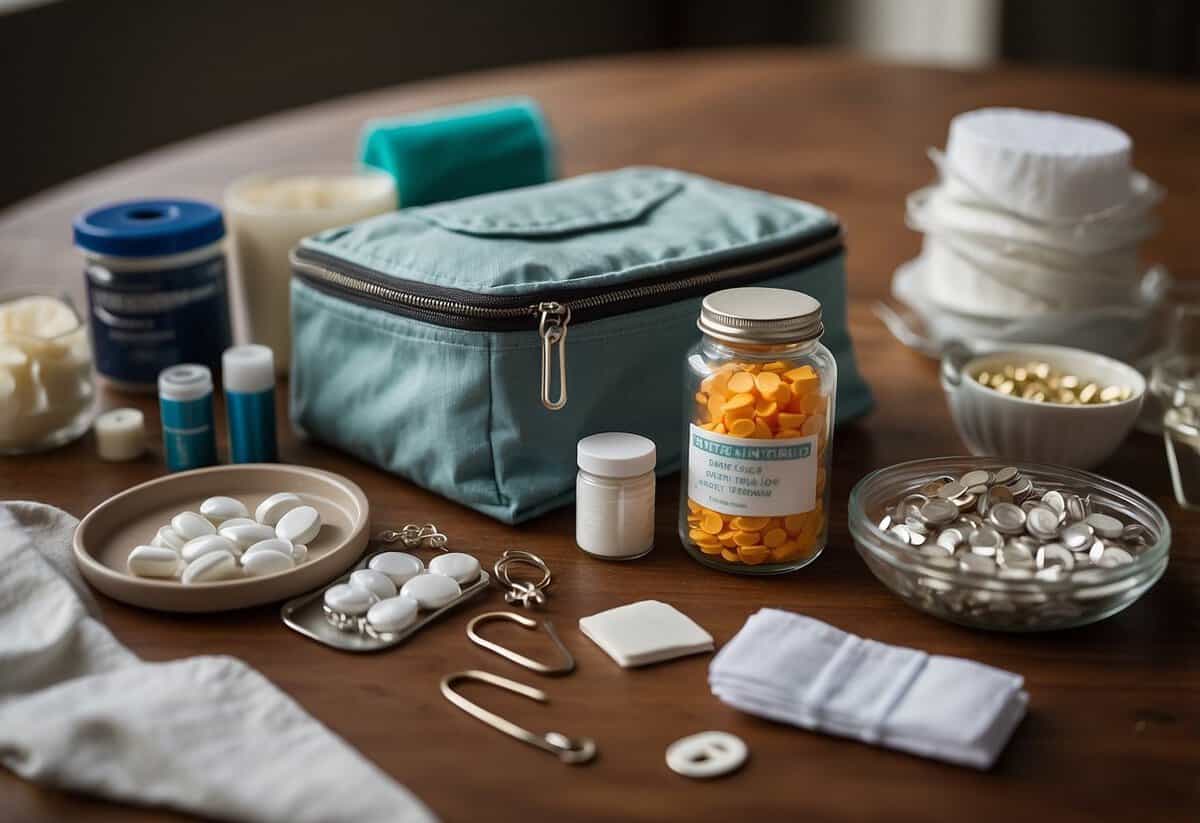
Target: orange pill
753,555
783,434
737,407
743,427
767,382
741,383
749,524
699,536
726,539
789,420
766,408
789,550
746,538
775,537
711,548
716,402
730,555
712,523
717,383
794,524
761,429
782,396
775,366
799,373
719,429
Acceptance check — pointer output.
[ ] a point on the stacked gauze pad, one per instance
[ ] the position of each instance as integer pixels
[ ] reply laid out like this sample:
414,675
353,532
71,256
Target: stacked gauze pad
1035,213
793,669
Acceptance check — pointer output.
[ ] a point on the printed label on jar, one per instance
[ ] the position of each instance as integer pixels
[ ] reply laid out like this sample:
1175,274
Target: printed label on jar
759,478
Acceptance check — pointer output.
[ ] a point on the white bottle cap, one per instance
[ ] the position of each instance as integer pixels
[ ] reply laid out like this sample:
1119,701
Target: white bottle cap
616,454
187,381
120,434
248,369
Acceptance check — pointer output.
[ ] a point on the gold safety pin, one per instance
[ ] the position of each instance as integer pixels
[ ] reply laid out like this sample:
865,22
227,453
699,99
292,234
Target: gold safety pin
566,667
569,750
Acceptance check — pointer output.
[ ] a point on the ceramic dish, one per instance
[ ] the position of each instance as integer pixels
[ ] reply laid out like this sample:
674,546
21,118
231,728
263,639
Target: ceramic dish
992,423
985,601
110,531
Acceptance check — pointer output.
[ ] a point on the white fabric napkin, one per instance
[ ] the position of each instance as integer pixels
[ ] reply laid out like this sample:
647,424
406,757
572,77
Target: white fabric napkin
793,669
206,735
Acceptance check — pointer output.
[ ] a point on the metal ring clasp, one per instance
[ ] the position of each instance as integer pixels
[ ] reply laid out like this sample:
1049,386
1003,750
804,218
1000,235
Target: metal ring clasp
526,593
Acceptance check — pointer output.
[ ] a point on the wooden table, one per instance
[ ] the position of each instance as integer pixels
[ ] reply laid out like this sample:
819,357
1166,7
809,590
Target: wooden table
1113,728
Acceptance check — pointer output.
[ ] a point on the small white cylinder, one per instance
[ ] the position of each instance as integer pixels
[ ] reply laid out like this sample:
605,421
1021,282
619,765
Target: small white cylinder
120,434
614,495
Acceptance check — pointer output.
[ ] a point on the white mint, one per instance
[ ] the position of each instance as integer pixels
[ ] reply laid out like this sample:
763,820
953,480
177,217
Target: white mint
348,599
431,591
168,538
211,567
646,632
276,506
220,509
377,583
189,525
399,566
273,544
207,544
238,521
707,754
461,566
300,525
268,562
246,535
153,561
392,614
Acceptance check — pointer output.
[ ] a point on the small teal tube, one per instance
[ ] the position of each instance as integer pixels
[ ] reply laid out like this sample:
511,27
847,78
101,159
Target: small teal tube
251,418
185,402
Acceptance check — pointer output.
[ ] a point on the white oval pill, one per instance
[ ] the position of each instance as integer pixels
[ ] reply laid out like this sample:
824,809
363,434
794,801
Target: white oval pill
211,567
276,506
168,538
153,561
245,536
431,591
220,509
392,614
261,563
300,525
461,566
207,544
189,525
401,567
377,583
238,521
348,599
299,553
273,544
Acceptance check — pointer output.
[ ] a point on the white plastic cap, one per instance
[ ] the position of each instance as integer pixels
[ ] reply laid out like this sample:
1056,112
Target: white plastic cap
248,369
187,381
617,454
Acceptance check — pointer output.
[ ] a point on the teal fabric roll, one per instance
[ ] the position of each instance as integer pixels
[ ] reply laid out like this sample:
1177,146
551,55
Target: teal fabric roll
446,154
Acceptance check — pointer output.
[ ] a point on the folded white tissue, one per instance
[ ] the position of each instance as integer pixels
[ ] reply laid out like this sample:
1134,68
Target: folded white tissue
793,669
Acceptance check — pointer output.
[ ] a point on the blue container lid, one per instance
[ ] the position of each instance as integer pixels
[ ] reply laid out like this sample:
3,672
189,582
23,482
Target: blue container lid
149,228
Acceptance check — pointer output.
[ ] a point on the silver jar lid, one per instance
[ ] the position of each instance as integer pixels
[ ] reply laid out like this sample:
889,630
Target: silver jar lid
760,315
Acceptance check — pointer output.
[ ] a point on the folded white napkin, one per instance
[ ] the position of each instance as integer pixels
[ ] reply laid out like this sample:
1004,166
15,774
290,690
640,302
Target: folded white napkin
793,669
206,735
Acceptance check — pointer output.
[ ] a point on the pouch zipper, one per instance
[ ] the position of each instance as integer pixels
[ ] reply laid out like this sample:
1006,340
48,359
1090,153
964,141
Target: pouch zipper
551,318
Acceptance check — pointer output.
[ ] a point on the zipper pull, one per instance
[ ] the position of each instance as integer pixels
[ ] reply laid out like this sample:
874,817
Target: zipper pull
552,328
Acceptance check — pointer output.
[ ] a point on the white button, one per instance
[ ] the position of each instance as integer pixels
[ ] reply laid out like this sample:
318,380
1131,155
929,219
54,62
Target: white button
431,591
220,509
707,754
211,567
267,562
392,614
348,599
209,543
273,544
300,525
189,525
400,566
462,567
153,561
246,535
377,583
276,506
168,538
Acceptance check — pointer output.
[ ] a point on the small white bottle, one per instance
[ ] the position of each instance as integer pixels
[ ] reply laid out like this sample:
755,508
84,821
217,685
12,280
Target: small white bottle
614,495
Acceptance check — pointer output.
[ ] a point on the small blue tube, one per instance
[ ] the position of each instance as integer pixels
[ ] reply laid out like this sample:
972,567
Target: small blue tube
249,379
185,402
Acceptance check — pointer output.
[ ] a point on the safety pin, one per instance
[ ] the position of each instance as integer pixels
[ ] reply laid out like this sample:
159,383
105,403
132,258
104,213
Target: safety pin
569,750
566,667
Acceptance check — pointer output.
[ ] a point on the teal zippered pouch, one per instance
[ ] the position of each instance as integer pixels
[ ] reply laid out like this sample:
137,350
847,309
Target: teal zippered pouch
468,346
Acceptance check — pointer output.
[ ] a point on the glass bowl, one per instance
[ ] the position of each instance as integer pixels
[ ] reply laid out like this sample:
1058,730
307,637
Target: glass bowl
985,601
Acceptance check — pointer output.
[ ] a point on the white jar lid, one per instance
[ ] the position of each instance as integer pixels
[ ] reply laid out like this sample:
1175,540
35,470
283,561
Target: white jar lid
755,314
187,381
248,369
616,454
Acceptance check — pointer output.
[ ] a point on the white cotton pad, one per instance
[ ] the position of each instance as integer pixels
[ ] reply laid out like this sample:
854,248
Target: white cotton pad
1038,163
646,632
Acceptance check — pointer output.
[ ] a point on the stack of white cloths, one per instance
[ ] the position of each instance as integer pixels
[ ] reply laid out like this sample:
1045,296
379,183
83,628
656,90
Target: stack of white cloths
1036,221
793,669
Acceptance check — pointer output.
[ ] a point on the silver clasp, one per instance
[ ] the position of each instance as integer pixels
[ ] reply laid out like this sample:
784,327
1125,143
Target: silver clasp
552,328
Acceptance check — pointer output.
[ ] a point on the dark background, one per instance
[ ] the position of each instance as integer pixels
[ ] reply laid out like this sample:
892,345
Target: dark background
91,82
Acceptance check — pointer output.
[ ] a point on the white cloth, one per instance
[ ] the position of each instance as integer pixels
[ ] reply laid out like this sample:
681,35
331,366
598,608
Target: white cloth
796,670
206,735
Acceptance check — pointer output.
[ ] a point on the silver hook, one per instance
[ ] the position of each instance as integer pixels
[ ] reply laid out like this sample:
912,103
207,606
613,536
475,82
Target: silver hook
552,328
569,750
566,667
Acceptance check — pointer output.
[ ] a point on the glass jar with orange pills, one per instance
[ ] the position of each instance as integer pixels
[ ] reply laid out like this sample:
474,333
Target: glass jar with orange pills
759,419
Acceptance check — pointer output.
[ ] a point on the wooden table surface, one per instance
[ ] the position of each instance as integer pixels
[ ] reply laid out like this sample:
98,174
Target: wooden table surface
1113,728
